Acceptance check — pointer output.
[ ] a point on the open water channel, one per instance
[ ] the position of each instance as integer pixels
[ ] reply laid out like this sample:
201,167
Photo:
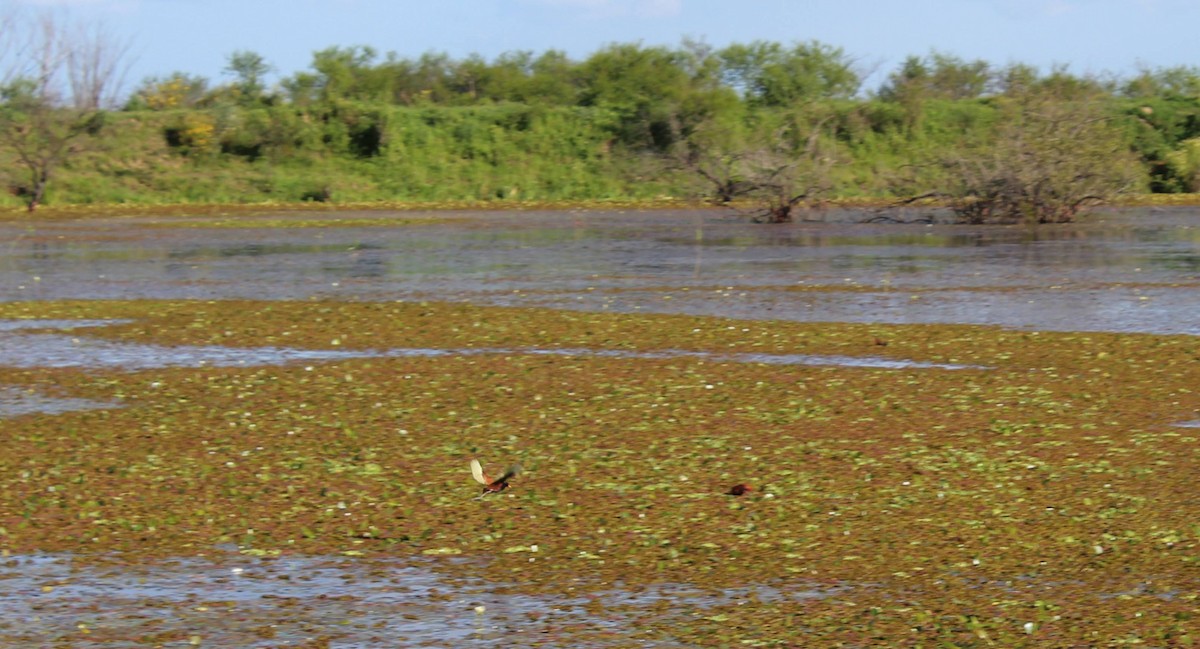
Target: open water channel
1129,270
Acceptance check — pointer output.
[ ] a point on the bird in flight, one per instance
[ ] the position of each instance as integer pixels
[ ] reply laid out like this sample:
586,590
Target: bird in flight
492,485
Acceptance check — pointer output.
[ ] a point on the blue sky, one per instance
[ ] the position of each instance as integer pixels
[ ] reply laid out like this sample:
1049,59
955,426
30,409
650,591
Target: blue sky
1090,36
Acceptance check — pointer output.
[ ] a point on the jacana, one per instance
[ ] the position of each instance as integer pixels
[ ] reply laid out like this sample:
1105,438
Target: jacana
492,485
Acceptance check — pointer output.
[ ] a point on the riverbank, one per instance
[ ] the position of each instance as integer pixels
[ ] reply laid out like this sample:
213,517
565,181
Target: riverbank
508,153
166,210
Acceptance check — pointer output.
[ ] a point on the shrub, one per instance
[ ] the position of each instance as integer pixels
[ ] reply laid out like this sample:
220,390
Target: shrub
1184,165
193,132
1049,161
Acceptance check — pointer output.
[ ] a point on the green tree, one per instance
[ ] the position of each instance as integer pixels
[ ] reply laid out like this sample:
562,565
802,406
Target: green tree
1064,85
1016,79
503,80
350,73
937,76
250,70
1184,165
554,79
768,74
471,79
642,85
302,88
1178,82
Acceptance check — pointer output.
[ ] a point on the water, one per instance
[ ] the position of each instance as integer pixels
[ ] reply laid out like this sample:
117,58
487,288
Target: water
29,350
17,401
1128,271
228,599
22,348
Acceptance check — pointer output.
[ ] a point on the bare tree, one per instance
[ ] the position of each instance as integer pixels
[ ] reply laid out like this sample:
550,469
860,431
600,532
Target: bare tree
781,166
57,77
1051,160
96,65
9,44
790,171
714,155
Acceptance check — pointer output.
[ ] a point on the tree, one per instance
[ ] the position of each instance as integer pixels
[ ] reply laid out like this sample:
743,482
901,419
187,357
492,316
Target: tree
1050,161
428,79
768,74
937,76
59,77
1173,82
250,69
1061,84
348,73
790,167
1184,164
553,79
1016,79
641,85
779,161
714,153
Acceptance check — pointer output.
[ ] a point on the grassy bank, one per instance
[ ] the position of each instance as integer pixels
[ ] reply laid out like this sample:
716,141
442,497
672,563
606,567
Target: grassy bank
353,154
281,156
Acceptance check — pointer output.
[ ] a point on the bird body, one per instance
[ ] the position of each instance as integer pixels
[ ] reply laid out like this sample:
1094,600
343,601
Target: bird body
739,490
492,485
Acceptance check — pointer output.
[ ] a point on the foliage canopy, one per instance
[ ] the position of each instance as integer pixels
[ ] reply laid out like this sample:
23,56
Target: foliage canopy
632,121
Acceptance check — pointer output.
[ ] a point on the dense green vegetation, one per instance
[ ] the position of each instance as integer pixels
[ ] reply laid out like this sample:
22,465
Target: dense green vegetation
781,125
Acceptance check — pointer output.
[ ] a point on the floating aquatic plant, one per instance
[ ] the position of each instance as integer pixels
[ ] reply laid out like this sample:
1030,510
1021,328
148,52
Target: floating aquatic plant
959,508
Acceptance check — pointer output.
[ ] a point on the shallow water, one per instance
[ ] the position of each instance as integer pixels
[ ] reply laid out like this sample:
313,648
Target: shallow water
233,600
17,401
28,350
22,348
1129,270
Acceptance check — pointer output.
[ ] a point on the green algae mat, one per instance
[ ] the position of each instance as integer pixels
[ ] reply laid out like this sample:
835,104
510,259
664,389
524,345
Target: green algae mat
1043,495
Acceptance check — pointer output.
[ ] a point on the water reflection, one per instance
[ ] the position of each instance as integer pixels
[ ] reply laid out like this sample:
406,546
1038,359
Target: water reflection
49,323
41,350
261,249
353,602
585,258
15,401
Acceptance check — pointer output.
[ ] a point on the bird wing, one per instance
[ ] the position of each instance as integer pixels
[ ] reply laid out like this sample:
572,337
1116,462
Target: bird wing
478,474
510,472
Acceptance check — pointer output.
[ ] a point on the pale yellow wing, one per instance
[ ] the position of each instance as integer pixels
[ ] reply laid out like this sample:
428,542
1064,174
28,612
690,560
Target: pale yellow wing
478,474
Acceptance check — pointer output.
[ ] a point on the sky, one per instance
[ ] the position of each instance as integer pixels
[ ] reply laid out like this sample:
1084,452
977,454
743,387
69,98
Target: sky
1088,36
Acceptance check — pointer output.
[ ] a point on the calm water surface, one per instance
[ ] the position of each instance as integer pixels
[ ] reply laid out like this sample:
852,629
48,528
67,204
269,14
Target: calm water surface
1128,270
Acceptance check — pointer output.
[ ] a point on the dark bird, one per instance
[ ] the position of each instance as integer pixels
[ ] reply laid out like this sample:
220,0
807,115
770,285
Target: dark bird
739,490
492,485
